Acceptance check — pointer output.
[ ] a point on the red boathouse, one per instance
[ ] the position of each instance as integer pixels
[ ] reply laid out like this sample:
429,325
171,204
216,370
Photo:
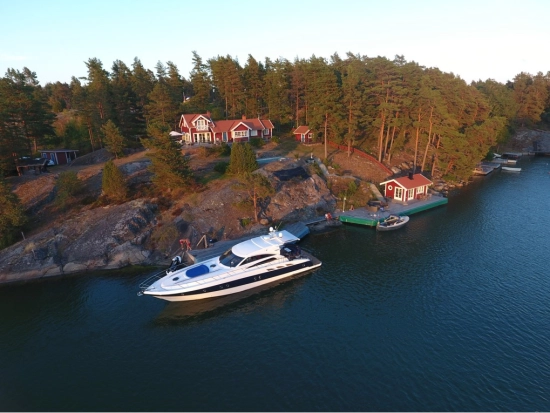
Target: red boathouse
407,188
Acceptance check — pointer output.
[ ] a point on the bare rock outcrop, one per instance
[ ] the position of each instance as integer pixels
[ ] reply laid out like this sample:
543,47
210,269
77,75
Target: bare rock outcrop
101,238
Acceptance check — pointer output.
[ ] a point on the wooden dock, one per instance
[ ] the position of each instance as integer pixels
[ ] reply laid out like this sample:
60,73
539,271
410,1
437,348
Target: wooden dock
362,216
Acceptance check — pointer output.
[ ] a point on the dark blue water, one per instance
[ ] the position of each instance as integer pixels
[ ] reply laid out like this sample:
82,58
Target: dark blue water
450,313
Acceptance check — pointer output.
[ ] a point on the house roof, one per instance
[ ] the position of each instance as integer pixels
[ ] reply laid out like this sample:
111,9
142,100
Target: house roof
301,130
229,125
407,183
189,118
267,123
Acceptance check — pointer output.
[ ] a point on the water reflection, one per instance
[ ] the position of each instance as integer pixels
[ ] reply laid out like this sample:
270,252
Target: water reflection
274,295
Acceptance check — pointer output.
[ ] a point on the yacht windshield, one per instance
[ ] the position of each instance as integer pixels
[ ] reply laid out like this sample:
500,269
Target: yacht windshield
229,259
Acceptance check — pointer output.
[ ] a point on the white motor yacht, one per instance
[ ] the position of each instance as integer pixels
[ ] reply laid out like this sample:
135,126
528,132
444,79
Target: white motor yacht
249,264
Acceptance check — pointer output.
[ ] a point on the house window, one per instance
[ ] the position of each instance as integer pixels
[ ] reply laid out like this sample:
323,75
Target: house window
201,124
420,190
240,134
254,133
266,131
398,193
224,136
310,136
410,194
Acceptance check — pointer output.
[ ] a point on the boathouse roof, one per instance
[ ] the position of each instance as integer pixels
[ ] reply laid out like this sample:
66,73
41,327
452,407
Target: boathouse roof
409,182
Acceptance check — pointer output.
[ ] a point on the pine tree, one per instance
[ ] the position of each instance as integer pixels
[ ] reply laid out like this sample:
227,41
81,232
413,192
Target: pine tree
113,183
242,159
258,188
114,141
170,168
67,186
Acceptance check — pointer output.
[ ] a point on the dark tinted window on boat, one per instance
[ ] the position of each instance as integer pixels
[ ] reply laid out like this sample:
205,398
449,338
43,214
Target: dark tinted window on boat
229,259
256,258
264,261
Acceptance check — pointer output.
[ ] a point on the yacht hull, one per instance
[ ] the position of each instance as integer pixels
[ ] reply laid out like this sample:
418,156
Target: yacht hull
238,285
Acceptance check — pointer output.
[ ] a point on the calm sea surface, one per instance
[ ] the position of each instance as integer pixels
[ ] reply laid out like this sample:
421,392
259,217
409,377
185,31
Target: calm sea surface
449,313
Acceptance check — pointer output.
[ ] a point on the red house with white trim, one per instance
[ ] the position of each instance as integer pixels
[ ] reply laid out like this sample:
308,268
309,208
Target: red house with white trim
59,156
200,128
303,134
407,188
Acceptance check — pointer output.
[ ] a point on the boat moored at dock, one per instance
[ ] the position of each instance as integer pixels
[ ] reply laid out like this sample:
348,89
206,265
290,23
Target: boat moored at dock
392,222
248,264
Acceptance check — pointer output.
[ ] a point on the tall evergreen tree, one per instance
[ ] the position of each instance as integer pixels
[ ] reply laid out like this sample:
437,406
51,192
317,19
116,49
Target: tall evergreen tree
253,80
143,82
113,183
114,141
202,86
168,165
125,102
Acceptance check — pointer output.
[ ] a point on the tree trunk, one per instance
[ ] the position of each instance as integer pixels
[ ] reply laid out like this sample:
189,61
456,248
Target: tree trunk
381,136
91,134
429,139
326,140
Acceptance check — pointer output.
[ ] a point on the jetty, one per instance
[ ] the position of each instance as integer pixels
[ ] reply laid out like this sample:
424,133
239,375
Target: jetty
370,216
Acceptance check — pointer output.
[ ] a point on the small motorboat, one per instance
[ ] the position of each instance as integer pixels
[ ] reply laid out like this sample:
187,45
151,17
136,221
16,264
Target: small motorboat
392,222
249,264
510,169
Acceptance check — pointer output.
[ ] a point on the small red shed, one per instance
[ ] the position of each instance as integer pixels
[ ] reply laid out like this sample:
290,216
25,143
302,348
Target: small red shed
59,156
303,134
407,188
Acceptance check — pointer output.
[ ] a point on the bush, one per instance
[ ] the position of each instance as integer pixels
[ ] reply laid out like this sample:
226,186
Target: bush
243,159
12,215
68,185
224,150
257,142
113,183
221,167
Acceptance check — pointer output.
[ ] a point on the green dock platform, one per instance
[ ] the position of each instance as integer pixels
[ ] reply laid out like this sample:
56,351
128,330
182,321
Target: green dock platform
362,216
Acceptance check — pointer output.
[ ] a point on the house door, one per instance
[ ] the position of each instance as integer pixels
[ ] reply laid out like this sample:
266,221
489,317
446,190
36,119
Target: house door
398,193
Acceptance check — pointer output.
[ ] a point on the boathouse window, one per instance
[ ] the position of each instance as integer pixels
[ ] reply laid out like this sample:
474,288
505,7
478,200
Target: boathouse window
398,193
410,194
420,190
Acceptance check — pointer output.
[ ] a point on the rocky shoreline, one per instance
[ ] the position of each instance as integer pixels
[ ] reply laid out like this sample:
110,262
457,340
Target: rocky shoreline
146,232
135,232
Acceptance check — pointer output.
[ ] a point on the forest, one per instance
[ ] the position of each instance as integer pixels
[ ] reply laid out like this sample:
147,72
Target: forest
378,105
